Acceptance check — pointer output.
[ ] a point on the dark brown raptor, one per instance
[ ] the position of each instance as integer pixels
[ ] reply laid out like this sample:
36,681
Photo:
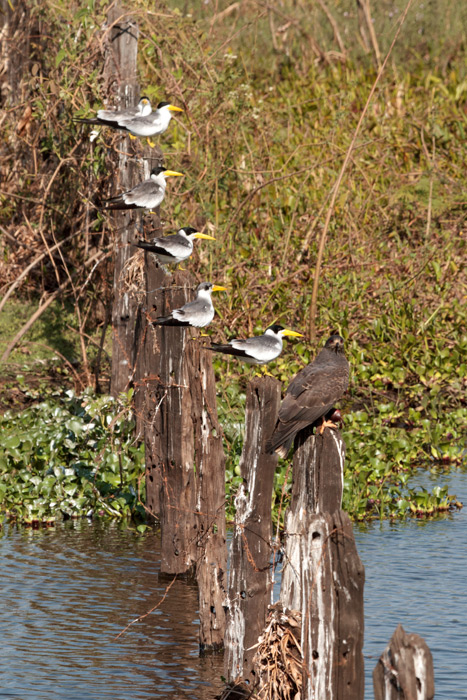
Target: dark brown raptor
311,394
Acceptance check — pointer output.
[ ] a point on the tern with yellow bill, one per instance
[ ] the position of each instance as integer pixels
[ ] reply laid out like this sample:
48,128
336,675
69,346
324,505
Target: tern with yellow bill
258,350
147,195
151,125
111,117
198,313
174,249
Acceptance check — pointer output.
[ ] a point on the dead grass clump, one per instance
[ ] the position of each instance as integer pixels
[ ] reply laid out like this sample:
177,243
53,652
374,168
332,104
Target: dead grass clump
277,665
279,659
133,277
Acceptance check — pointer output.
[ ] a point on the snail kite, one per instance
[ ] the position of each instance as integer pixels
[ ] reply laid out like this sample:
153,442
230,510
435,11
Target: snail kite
311,394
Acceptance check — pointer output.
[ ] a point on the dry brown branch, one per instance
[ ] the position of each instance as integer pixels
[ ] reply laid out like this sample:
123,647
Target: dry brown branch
334,26
31,266
38,313
364,6
141,617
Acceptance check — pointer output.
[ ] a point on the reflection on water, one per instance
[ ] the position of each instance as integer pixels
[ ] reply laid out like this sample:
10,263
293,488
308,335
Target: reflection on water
68,591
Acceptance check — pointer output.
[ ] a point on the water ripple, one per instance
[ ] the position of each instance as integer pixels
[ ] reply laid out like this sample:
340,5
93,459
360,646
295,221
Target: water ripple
68,591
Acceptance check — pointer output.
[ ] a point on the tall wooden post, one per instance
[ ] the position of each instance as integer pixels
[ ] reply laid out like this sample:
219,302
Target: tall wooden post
250,572
185,465
211,544
168,425
323,575
121,72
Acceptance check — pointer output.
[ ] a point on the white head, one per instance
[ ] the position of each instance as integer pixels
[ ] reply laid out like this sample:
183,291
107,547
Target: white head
144,107
280,332
191,233
159,173
205,289
164,112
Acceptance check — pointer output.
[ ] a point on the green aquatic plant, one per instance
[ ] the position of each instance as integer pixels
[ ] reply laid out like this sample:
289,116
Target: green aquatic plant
71,457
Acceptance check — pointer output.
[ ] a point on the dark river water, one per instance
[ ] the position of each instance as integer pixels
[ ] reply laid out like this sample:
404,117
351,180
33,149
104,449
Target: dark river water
68,591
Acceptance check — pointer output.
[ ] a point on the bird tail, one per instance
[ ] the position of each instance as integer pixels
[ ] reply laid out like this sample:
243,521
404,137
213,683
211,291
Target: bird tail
146,245
283,436
280,445
218,347
99,122
116,203
168,321
227,350
162,321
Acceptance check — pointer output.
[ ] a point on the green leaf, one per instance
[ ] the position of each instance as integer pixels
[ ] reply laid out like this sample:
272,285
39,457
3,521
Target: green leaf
59,57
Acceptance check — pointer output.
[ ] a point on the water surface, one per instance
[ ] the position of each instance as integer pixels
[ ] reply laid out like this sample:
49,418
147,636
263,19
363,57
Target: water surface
67,592
416,575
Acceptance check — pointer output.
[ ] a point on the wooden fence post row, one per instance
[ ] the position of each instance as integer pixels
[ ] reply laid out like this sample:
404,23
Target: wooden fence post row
313,641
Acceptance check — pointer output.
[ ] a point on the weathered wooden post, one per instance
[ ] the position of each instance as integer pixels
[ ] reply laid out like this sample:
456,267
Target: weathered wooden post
168,426
250,571
323,575
185,467
120,71
405,669
211,543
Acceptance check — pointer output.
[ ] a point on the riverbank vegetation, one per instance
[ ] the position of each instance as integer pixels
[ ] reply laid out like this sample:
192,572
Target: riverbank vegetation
272,98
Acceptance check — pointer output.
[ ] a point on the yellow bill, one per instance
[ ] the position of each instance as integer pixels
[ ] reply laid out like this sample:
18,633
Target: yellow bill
293,334
172,173
173,108
216,288
205,236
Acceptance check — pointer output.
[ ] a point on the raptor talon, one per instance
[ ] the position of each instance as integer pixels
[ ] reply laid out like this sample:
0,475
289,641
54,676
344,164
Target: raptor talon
327,424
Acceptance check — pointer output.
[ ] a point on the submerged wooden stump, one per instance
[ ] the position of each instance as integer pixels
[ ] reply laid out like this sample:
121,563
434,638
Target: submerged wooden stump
250,571
405,669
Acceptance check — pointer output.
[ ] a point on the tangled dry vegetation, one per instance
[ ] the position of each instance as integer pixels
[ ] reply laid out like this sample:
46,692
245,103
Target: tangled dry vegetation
278,662
272,97
269,114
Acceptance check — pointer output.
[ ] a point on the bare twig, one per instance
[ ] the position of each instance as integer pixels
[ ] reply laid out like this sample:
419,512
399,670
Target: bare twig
371,31
334,26
141,617
38,313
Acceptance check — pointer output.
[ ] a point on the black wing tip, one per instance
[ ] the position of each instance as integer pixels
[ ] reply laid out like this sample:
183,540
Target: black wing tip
117,205
168,321
86,120
229,350
147,245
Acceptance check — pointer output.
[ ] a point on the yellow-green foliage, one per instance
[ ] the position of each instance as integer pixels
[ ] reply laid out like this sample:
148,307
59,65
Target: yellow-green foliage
272,99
